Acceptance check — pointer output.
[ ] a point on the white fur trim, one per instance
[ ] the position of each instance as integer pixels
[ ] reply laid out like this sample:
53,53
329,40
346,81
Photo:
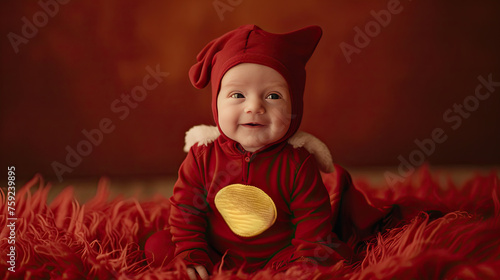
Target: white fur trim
206,134
315,147
201,134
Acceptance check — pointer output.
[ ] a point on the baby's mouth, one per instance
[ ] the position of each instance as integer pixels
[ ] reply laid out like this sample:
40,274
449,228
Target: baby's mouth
252,124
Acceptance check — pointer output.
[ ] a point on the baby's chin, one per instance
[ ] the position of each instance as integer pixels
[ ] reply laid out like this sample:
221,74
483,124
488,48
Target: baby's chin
255,146
251,146
255,142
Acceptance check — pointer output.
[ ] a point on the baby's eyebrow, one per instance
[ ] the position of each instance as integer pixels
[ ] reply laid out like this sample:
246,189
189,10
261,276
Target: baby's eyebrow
277,85
233,83
270,85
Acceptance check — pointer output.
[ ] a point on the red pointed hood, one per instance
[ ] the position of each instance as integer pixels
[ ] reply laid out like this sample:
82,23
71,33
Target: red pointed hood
286,53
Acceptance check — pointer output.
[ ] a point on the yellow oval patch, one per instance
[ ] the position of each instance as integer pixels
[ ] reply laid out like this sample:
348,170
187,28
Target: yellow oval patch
247,210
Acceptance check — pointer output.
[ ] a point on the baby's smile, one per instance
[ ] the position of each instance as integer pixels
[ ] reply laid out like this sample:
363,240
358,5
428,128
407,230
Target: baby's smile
252,125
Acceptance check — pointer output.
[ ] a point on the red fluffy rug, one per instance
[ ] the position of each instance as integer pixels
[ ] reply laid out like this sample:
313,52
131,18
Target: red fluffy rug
104,239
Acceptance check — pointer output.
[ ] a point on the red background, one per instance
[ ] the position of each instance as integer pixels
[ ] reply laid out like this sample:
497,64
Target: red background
369,111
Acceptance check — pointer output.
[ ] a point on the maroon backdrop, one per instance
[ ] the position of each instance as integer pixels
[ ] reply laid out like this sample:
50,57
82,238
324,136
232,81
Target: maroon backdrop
70,66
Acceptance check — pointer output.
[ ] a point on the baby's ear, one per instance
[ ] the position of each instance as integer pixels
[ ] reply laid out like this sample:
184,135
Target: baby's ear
201,134
315,147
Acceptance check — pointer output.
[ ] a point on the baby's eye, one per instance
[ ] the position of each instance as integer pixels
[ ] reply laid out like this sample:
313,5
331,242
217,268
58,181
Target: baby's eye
237,95
273,96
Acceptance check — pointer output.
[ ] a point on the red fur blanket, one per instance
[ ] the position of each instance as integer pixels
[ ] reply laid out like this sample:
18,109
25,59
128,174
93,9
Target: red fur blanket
104,239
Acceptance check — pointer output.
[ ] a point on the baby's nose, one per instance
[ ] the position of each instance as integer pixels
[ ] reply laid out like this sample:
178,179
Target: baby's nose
255,106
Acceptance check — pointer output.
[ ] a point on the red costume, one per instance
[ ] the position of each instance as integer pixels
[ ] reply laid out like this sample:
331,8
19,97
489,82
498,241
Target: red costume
309,217
289,176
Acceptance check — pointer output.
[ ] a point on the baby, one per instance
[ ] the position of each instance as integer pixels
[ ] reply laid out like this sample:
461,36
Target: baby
246,197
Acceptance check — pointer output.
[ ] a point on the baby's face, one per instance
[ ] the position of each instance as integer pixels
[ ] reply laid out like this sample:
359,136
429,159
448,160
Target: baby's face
254,105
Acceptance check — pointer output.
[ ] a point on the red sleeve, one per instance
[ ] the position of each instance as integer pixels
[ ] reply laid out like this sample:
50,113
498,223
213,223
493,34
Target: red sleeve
188,215
311,209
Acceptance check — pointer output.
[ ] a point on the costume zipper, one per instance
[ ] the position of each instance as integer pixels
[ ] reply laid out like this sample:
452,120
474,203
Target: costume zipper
247,158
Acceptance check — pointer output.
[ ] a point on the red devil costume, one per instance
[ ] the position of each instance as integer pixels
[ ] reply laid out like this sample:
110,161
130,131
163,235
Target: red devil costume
298,219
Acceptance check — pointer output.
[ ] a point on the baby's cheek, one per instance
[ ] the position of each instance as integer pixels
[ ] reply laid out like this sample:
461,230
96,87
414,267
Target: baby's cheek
284,121
281,128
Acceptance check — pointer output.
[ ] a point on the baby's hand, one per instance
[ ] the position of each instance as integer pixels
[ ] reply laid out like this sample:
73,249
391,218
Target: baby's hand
200,269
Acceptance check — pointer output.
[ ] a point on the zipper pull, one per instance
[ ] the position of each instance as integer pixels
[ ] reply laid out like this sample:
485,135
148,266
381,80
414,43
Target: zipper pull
249,156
